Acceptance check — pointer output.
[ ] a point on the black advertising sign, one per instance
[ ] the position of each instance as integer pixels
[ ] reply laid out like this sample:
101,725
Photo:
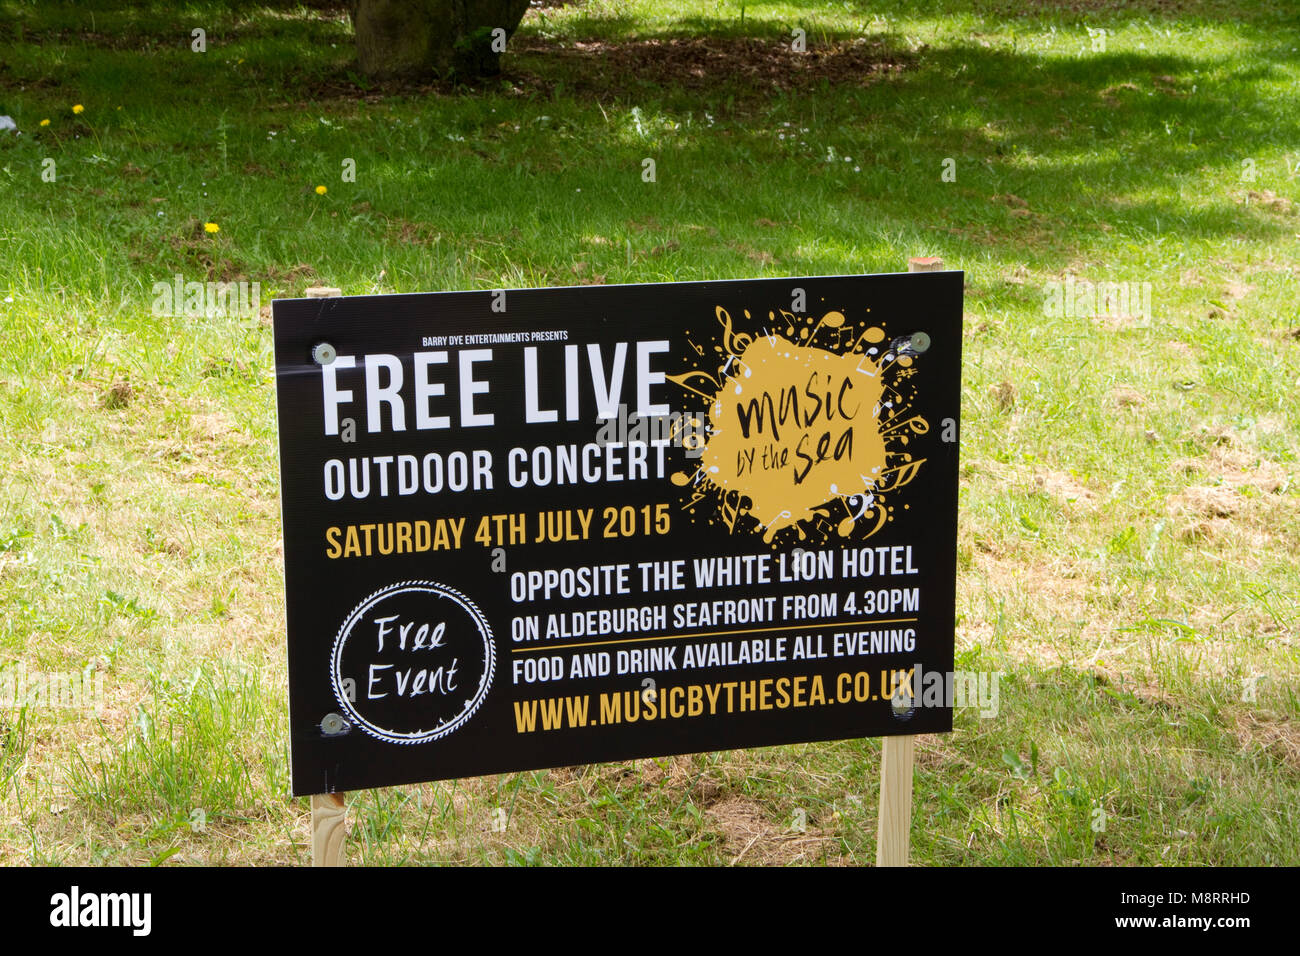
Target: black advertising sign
541,527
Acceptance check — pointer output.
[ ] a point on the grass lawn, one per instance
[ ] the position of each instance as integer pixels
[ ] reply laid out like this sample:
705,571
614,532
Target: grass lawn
1128,553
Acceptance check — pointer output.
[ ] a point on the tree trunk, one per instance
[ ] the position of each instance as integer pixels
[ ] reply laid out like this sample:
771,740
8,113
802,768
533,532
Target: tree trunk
424,38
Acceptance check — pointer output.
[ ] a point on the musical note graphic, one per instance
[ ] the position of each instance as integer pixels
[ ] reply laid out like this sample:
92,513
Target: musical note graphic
734,342
730,510
916,424
869,372
832,320
871,335
845,527
881,517
684,377
769,532
903,474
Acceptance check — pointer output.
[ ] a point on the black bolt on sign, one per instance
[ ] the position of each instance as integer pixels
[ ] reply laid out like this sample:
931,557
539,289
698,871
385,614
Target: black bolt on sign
531,528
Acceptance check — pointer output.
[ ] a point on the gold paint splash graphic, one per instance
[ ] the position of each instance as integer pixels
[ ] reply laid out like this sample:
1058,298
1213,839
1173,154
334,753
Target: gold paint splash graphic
802,437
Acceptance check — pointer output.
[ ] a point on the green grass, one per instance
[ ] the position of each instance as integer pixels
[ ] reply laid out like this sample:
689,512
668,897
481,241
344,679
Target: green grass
1130,503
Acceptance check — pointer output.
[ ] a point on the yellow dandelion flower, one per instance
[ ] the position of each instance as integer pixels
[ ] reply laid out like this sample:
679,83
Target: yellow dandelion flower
45,122
211,227
78,108
321,190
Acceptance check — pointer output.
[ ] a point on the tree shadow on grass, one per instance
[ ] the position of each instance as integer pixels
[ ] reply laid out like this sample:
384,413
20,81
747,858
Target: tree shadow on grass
1095,13
692,70
1050,150
1079,143
1113,127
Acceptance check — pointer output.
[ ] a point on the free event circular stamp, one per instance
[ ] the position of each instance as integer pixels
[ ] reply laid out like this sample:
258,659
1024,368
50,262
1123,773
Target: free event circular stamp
413,662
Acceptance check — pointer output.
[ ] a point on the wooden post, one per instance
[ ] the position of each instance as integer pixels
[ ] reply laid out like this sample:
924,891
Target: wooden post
894,826
925,264
329,815
329,812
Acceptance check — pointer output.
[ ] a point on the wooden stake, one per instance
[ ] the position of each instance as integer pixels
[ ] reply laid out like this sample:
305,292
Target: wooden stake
329,812
925,264
894,826
329,816
894,829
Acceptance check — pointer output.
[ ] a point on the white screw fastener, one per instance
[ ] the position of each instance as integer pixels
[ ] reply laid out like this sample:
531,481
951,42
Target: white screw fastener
332,725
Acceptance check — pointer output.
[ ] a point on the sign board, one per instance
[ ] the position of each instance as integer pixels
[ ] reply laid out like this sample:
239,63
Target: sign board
541,527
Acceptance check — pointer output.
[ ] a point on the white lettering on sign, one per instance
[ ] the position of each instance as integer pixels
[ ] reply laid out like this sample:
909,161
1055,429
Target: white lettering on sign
387,391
